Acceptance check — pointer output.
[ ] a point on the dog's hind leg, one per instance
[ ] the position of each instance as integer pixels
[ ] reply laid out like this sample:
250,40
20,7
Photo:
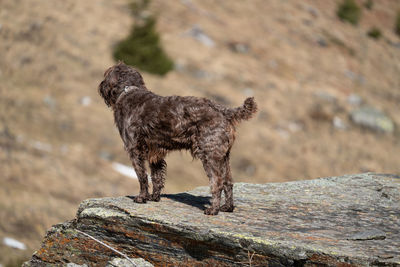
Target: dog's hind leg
213,170
228,186
140,169
158,178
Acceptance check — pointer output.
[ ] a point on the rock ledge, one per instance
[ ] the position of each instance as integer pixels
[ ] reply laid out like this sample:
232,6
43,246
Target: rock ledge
352,220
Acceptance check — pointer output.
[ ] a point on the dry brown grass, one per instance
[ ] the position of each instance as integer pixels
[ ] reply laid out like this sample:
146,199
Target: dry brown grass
58,50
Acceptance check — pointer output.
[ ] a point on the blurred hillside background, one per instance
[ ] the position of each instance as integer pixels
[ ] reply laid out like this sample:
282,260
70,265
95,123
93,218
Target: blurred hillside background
328,91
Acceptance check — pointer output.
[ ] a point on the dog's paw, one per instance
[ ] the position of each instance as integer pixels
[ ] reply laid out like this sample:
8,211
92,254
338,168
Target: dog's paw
211,211
155,198
139,199
226,208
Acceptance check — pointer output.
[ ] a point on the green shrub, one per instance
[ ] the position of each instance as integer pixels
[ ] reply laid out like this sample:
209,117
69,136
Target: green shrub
397,25
138,6
375,33
349,11
369,4
142,48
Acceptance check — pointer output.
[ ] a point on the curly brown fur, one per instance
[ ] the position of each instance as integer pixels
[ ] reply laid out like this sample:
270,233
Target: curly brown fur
151,125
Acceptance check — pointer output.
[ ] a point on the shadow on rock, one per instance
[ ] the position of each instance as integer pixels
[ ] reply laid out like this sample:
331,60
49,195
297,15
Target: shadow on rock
199,202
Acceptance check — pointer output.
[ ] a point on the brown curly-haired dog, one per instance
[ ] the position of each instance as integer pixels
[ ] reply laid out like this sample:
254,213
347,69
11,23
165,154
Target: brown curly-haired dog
151,125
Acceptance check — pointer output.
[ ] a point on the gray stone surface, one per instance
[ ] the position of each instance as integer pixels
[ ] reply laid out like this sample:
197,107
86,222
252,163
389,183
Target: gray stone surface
138,262
75,265
336,221
373,119
354,99
373,234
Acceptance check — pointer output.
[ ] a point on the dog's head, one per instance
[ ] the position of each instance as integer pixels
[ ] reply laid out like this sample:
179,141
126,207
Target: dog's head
115,80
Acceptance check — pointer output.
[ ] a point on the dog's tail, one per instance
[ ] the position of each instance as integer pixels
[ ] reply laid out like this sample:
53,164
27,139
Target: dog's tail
244,112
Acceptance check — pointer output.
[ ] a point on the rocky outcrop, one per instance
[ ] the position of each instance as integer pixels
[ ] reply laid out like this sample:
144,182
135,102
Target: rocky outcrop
372,119
352,220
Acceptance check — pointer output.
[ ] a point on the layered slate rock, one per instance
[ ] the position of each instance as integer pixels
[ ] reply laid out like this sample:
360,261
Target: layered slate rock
352,220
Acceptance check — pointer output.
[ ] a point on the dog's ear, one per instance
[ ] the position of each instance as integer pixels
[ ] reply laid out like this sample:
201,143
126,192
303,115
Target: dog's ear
103,91
106,86
108,71
111,76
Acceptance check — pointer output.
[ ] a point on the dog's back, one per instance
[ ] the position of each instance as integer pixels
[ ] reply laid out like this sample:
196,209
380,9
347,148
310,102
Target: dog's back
177,122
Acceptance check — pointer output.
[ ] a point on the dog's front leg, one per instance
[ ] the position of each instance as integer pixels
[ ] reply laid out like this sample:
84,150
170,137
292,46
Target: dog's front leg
158,178
140,169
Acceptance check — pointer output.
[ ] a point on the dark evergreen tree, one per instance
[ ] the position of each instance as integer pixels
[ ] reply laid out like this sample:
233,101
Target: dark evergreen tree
142,49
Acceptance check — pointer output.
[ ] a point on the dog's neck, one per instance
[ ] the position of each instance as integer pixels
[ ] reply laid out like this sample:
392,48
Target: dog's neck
125,91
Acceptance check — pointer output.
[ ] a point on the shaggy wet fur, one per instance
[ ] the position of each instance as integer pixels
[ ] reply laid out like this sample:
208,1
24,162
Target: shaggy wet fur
151,125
